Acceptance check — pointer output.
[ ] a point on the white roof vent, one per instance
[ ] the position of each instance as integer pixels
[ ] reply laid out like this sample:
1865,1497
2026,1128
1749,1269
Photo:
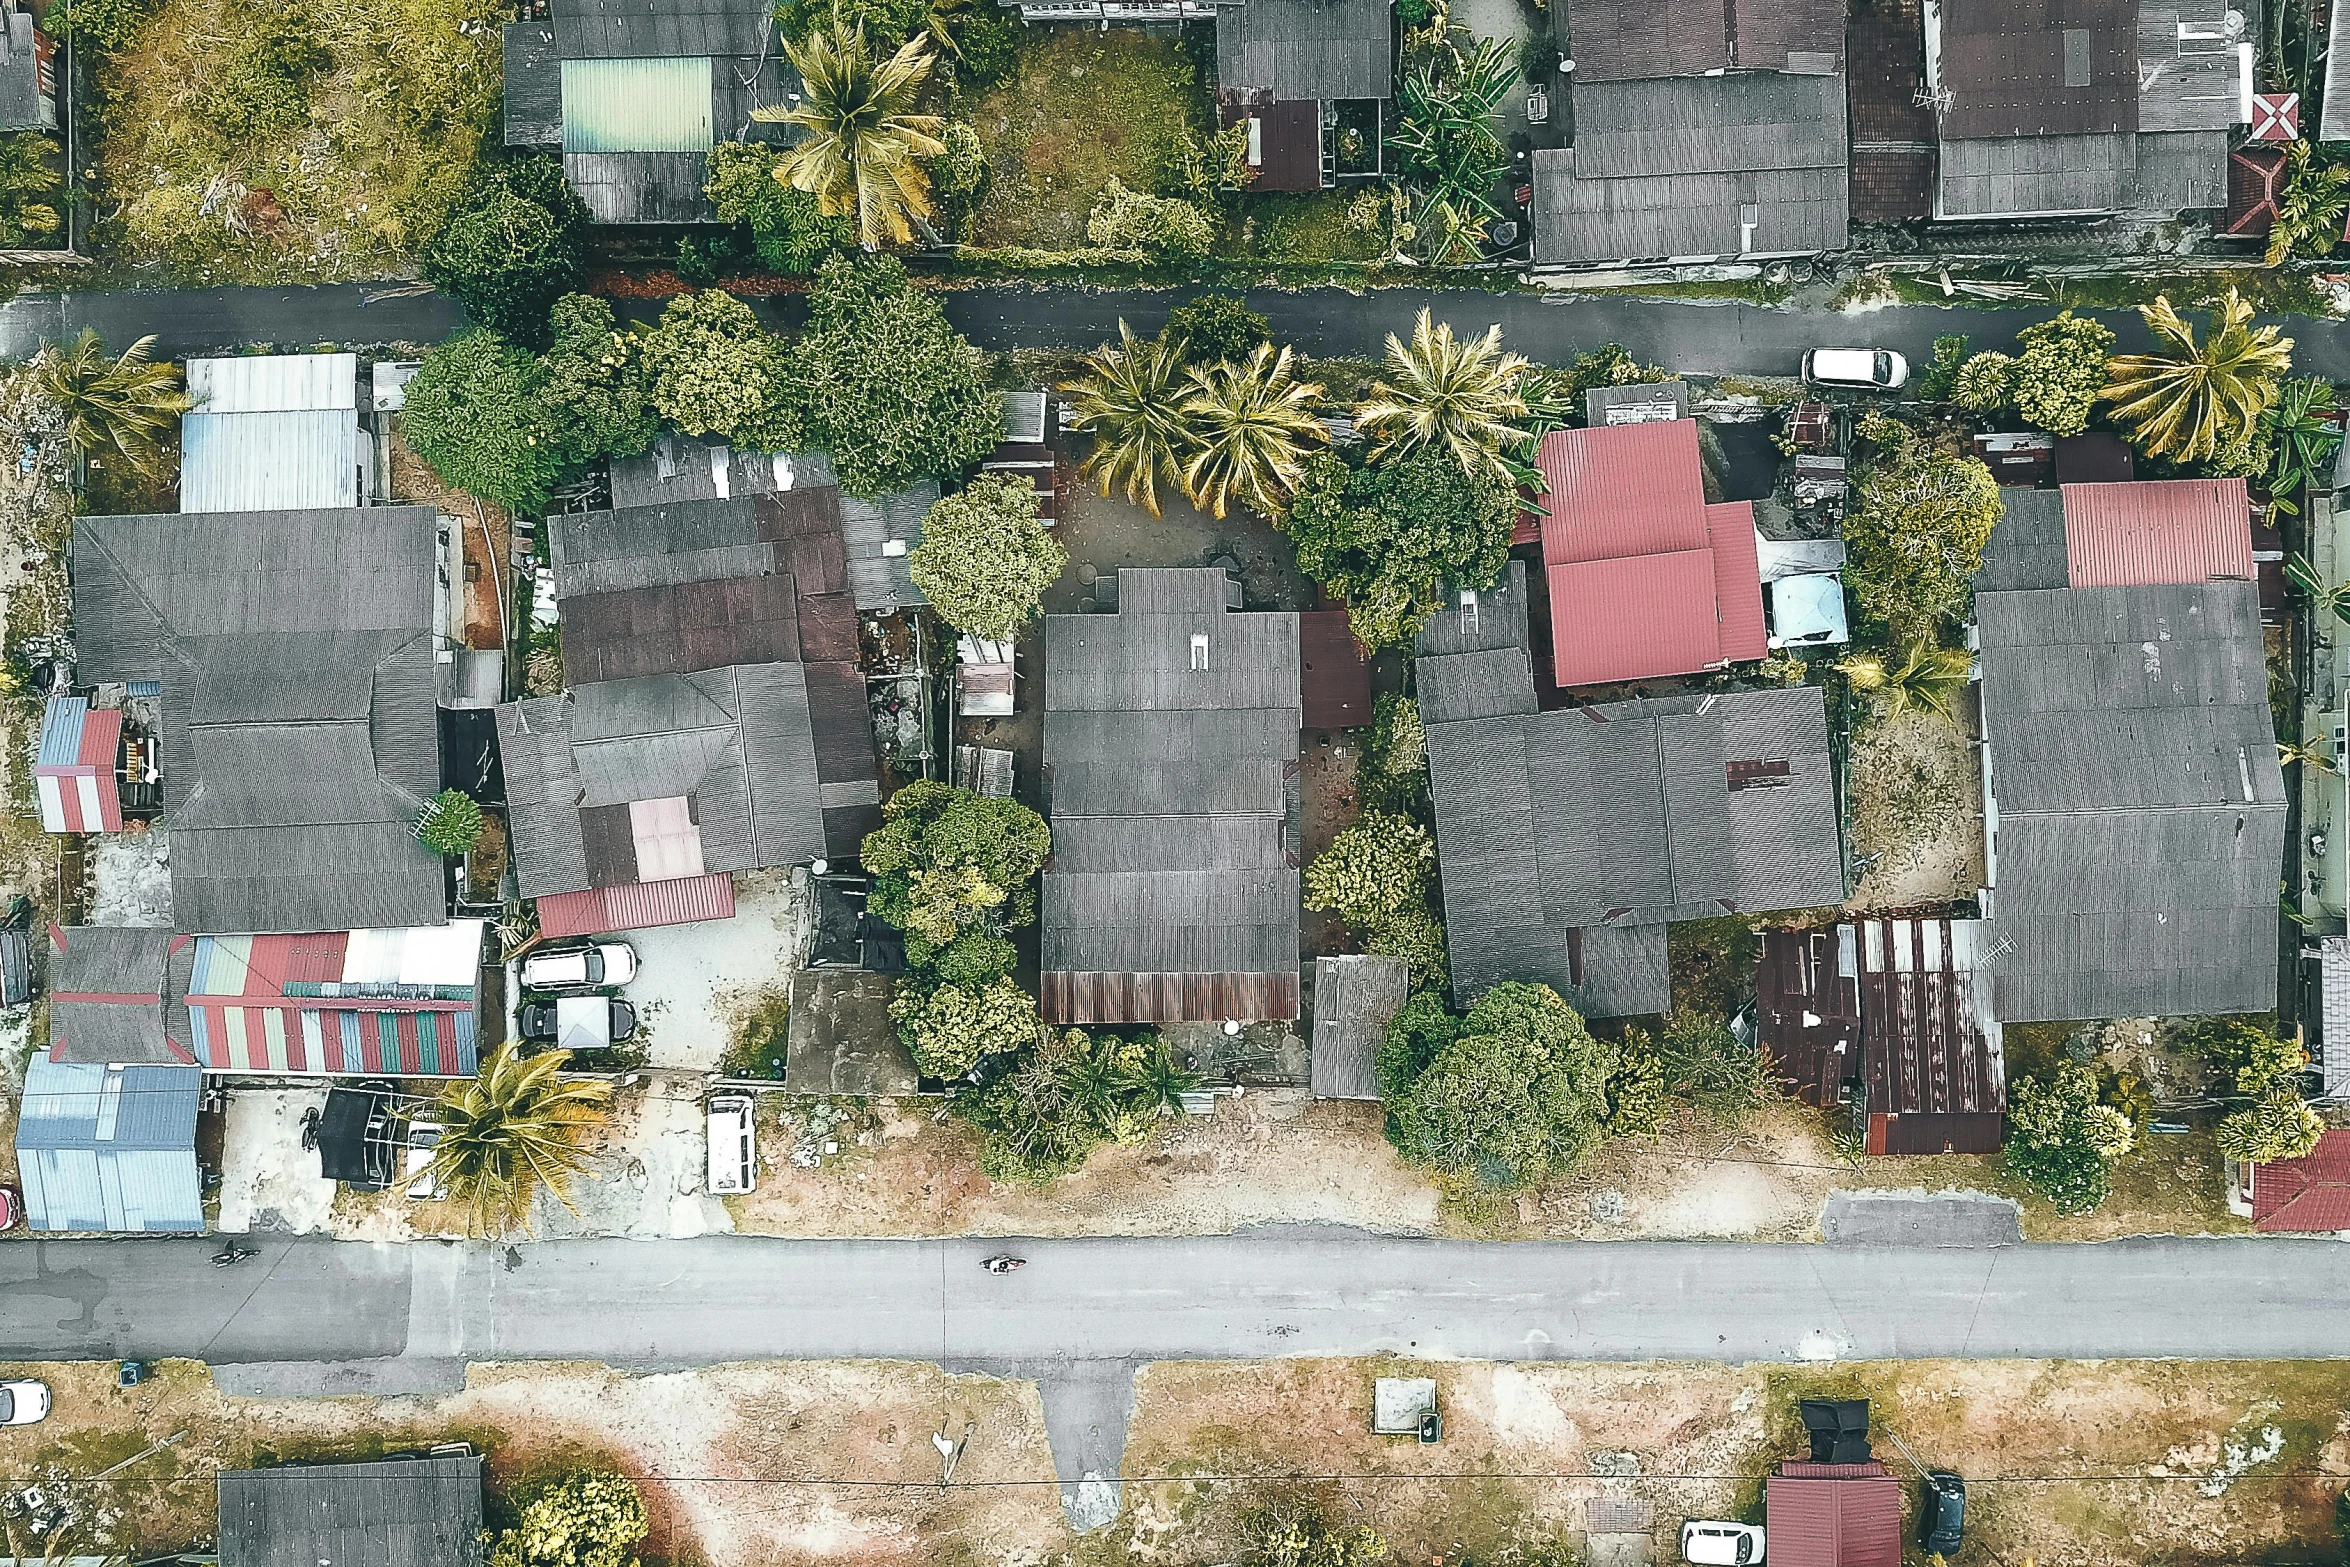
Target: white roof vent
1199,650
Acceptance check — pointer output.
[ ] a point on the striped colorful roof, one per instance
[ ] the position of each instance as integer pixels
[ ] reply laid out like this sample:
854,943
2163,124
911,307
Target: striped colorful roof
367,1002
74,768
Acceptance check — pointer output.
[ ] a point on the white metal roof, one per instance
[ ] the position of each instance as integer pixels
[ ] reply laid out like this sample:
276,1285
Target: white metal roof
287,460
274,383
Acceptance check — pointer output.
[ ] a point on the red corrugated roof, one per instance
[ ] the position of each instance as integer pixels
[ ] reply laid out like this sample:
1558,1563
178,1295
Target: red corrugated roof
1847,1518
1646,579
2157,531
1067,997
2311,1194
638,906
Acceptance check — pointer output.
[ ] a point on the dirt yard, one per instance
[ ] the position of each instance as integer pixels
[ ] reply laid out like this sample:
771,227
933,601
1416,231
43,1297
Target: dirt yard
2068,1464
489,583
1917,814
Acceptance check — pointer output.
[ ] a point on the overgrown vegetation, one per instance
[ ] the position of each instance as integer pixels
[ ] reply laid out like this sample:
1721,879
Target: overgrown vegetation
588,1518
2061,1141
515,243
1917,532
1508,1096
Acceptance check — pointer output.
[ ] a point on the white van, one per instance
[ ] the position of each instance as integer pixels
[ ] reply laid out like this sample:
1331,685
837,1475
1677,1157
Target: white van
1871,367
1714,1543
734,1147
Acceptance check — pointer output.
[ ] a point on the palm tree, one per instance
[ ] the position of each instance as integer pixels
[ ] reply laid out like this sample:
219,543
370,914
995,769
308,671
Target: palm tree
864,139
2303,575
124,405
2306,754
1925,678
1255,420
1132,398
1457,394
2195,400
516,1129
28,185
2310,208
1154,1082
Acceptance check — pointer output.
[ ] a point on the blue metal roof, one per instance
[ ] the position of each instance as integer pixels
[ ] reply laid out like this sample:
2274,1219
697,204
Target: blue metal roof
110,1147
61,731
289,460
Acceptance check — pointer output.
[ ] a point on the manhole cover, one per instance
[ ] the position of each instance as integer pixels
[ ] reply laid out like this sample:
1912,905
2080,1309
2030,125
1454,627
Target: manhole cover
1618,1515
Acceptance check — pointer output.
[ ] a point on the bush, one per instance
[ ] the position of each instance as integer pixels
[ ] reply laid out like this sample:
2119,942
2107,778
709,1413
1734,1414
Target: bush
1934,386
1635,1100
588,1519
1217,327
952,1028
1707,1068
449,823
1538,59
260,82
713,370
1392,774
473,415
515,243
2060,372
595,384
1916,540
1373,870
2061,1142
1155,225
29,210
2279,1127
1072,1093
1298,1530
984,560
946,861
1389,537
1417,937
107,26
886,385
2250,1057
958,170
1515,1099
787,230
1985,384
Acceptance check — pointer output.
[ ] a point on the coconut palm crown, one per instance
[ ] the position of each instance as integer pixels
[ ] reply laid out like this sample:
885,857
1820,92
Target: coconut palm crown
861,155
1131,398
513,1130
1462,395
124,405
1254,421
2190,401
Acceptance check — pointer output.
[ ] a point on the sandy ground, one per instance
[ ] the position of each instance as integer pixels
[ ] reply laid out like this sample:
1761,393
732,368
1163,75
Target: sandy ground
2069,1464
268,1180
695,982
1917,791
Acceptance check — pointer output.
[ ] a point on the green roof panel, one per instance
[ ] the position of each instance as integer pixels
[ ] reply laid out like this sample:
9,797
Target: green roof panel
636,105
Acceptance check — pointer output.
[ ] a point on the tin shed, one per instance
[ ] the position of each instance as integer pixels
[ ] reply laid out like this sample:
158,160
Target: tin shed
1833,1515
271,432
109,1147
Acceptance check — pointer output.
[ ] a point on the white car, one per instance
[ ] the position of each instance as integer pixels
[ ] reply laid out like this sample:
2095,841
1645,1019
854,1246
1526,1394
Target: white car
590,967
1876,368
23,1403
1710,1542
423,1138
734,1147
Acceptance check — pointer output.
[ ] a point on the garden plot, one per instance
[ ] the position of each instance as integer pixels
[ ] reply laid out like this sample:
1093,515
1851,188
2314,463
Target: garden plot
1917,814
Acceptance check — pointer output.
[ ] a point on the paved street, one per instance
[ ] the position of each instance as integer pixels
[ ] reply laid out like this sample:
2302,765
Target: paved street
1708,338
315,1316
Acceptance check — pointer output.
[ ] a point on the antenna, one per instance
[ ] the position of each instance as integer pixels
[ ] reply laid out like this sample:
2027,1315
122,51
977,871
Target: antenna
1938,99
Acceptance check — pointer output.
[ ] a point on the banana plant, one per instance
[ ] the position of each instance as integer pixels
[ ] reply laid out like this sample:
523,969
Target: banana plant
2300,573
2301,427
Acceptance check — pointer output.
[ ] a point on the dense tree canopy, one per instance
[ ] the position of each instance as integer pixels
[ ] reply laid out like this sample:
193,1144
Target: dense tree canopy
1373,870
1389,536
2061,1142
713,370
590,1518
985,560
473,414
1916,539
514,244
595,384
946,861
952,1028
1515,1095
787,227
1217,326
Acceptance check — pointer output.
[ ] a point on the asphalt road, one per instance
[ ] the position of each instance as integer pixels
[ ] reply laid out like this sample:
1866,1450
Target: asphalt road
1703,337
313,1316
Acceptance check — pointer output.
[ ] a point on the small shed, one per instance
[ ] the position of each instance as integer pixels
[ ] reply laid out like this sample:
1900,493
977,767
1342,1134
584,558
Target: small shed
75,768
839,1036
110,1148
1402,1406
271,432
1355,998
984,677
1833,1515
391,1512
1653,403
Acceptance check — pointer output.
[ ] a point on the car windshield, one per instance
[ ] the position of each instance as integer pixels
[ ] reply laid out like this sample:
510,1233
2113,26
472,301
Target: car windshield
7,1406
591,967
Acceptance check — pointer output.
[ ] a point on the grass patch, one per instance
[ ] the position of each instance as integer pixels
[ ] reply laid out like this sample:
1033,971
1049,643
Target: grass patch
1330,225
1083,108
301,141
757,1048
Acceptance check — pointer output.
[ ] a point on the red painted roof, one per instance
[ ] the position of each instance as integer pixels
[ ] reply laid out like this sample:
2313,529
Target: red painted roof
2156,531
1833,1515
2309,1194
638,906
1333,676
1645,578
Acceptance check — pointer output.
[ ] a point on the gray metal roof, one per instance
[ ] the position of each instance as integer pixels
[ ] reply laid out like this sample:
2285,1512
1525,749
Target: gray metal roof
1696,166
1619,40
109,1147
534,86
641,187
402,1512
2333,1054
271,432
1355,998
2139,806
2192,83
1168,785
1306,49
296,654
2023,176
2182,171
21,108
2037,69
2027,548
109,990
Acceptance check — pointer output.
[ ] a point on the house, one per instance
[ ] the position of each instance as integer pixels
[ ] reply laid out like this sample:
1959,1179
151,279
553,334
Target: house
1311,79
2143,533
1355,998
1646,579
878,536
111,996
294,659
2084,109
2308,1195
1832,1515
109,1147
1630,40
386,1512
28,73
273,432
1170,745
392,1003
1895,1016
633,96
77,770
1567,840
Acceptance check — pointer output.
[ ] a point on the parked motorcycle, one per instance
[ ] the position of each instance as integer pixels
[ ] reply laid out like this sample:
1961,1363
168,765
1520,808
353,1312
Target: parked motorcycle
1003,1262
231,1254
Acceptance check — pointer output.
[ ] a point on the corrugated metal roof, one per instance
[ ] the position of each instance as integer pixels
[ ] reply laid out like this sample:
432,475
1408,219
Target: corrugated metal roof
1631,489
394,1512
638,906
2032,69
61,731
1355,998
1312,49
2156,531
274,383
1729,529
1850,1520
1087,998
110,1147
2309,1195
1634,618
1615,40
2026,176
657,105
285,461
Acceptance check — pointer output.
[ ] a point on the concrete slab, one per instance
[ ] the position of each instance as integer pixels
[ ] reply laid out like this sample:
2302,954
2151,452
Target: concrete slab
1087,1404
1921,1219
268,1180
694,982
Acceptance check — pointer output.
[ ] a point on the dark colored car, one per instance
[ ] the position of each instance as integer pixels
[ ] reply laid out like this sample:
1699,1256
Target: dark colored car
1941,1512
577,1022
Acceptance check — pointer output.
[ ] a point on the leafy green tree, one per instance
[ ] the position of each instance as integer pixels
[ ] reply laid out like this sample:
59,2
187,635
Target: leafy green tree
1916,539
1389,537
2249,1057
1155,225
2280,1126
474,416
886,385
713,370
595,390
1215,327
1417,936
1052,1107
449,823
1253,421
959,169
952,1028
1459,396
2196,401
973,959
1920,678
1377,868
2061,1142
2060,372
512,1130
1392,775
985,560
515,243
1416,1036
1515,1099
28,191
589,1518
1134,400
787,227
946,861
1941,372
862,143
123,406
